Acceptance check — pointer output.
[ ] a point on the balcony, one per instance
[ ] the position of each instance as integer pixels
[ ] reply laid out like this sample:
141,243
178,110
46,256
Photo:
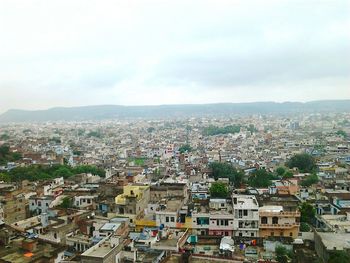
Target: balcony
280,214
279,226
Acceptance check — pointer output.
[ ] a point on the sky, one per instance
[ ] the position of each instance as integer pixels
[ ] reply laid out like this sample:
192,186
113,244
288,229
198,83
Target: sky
92,52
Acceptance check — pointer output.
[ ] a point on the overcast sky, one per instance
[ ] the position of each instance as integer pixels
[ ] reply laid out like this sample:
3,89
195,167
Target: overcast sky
71,53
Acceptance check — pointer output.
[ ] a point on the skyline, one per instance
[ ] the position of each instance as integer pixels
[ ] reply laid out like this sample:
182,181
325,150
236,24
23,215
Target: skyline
65,54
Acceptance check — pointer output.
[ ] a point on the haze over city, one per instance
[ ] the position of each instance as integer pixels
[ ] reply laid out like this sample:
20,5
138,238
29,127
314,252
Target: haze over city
74,53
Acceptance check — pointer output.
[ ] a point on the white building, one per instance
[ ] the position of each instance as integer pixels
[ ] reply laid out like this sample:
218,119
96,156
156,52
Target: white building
246,215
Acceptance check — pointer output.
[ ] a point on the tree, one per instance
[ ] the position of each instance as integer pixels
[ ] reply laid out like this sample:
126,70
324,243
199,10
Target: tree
150,129
307,212
185,148
280,171
283,255
304,162
214,130
341,133
304,227
287,174
5,177
339,257
309,180
66,202
63,171
225,170
260,178
218,189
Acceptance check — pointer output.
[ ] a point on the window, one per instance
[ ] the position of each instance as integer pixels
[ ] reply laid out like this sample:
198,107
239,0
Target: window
172,219
167,219
89,201
226,222
275,220
226,233
245,212
222,204
264,220
272,234
240,234
47,204
240,213
217,222
240,224
39,203
291,234
251,234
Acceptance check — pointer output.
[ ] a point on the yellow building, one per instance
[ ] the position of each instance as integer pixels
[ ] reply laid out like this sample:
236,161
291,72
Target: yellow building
133,201
273,221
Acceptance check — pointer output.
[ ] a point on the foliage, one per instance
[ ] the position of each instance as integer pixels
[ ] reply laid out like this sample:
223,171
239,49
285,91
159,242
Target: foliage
43,172
96,134
307,212
88,169
218,189
287,174
4,137
260,178
55,139
251,128
225,170
304,227
280,171
66,202
150,129
185,148
5,177
283,255
7,156
341,133
309,180
304,162
339,257
215,130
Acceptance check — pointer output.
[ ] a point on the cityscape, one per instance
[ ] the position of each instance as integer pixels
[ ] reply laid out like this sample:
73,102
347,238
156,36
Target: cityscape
174,131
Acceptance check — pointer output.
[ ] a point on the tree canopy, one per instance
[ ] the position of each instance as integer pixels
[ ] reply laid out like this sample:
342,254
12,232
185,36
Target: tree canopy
226,170
185,148
45,172
304,162
307,212
339,257
215,130
218,189
260,178
309,180
7,156
283,255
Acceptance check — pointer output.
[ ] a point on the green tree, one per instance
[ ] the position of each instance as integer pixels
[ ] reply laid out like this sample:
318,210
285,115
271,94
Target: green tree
341,133
304,227
260,178
339,257
283,255
63,171
150,129
226,170
304,162
287,174
66,202
215,130
280,171
185,148
4,137
5,177
307,212
218,189
309,180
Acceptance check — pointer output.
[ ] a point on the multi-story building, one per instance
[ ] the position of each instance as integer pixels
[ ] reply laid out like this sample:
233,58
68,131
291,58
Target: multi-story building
246,216
133,201
274,221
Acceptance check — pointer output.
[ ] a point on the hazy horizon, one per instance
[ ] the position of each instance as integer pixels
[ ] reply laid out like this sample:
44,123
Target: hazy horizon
79,53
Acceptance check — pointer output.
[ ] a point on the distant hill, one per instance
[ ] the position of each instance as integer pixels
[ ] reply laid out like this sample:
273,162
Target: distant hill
169,111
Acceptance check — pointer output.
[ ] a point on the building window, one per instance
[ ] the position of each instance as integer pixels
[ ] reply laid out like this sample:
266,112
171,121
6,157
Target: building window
272,234
172,219
239,213
240,224
264,220
240,234
251,234
226,233
291,234
245,212
217,222
167,219
275,220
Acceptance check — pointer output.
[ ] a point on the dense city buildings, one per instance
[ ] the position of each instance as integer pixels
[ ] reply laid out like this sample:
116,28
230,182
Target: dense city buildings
242,188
